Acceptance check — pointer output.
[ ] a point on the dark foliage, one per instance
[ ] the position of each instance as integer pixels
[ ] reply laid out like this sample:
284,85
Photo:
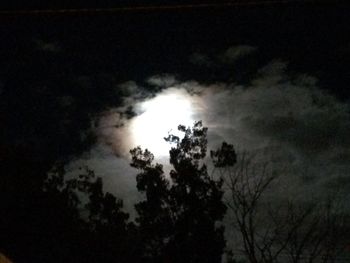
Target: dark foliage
50,219
179,218
225,156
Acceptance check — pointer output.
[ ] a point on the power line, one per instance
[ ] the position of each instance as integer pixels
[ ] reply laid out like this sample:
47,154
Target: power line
154,8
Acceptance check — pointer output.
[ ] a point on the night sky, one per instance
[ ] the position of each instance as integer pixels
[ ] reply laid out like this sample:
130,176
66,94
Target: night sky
87,86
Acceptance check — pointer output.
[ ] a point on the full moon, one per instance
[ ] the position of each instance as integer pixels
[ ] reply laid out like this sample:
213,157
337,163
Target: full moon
159,117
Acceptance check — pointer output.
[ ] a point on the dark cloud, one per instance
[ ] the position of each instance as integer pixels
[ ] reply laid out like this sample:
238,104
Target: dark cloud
47,46
230,56
201,59
234,53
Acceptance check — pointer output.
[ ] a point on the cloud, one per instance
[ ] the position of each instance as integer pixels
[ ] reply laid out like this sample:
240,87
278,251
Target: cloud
293,112
47,46
129,89
234,53
200,59
230,56
66,101
285,118
162,81
301,125
271,74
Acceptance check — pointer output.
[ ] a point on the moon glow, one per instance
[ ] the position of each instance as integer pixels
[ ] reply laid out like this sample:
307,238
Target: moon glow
158,117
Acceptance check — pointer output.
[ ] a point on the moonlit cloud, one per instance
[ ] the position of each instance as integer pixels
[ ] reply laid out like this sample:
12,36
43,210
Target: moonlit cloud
288,117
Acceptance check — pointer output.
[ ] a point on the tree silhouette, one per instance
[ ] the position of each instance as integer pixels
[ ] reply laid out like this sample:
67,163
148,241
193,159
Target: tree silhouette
60,220
179,217
278,230
49,218
102,231
154,214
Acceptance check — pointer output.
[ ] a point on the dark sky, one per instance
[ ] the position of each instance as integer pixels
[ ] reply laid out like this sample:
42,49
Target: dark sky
312,37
